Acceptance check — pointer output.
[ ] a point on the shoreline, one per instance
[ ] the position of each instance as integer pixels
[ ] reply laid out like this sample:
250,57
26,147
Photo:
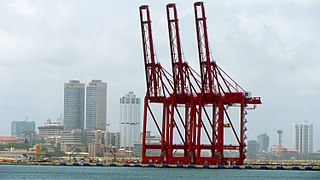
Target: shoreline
138,165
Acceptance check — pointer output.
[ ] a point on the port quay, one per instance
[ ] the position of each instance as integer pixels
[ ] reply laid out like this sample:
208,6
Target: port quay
250,165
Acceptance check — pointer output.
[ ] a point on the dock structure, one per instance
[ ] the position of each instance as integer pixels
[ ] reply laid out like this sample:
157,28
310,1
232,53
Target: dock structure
293,167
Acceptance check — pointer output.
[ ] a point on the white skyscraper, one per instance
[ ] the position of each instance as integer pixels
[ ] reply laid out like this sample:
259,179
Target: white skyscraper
74,105
130,118
96,105
303,137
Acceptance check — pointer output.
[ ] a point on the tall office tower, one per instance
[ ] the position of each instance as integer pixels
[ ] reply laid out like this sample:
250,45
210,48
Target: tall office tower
263,141
74,105
303,137
130,118
96,105
18,127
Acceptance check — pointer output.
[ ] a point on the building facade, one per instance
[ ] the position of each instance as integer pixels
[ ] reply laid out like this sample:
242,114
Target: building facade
96,105
18,127
50,129
303,137
151,140
8,139
72,139
130,120
263,141
95,148
252,149
113,140
95,135
74,99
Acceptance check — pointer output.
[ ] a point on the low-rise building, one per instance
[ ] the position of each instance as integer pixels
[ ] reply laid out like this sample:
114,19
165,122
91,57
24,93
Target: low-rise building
8,139
72,140
29,137
94,135
113,140
150,139
95,148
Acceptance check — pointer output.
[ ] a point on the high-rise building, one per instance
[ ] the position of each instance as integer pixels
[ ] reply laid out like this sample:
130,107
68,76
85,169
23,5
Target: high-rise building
303,137
74,94
18,127
263,141
130,118
96,105
252,148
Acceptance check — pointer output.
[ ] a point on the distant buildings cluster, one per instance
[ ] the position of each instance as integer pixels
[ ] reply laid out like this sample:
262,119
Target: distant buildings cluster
261,145
84,126
302,145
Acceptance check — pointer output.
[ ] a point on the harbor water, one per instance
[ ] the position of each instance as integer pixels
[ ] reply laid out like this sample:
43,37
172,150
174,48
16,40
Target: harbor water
23,172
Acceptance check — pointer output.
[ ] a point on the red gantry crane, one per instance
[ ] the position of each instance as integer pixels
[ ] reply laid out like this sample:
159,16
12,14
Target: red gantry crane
218,93
196,113
183,108
159,86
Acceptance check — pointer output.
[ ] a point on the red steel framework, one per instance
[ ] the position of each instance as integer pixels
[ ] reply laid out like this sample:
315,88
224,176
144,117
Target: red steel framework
182,104
219,92
195,108
158,88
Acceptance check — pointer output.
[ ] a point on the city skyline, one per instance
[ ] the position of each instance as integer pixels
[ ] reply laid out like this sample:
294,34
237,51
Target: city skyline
269,48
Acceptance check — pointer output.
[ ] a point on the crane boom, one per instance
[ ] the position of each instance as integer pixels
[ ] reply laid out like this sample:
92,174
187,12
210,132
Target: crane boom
148,53
179,78
207,77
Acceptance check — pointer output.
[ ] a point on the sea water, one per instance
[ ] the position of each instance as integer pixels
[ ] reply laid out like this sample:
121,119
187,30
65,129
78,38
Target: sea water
17,172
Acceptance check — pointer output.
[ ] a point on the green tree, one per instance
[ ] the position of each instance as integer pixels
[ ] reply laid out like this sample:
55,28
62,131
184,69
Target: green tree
16,145
99,154
44,149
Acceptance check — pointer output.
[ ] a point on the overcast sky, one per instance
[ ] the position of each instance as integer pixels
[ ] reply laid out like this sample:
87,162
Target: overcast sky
269,48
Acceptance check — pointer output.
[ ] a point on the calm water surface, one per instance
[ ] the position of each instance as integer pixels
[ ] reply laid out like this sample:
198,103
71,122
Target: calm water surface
14,172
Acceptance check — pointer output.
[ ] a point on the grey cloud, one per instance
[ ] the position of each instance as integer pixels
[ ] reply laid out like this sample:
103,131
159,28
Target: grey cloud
271,49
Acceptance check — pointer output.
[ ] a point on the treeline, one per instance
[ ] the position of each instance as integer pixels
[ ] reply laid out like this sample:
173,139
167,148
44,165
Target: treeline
14,145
